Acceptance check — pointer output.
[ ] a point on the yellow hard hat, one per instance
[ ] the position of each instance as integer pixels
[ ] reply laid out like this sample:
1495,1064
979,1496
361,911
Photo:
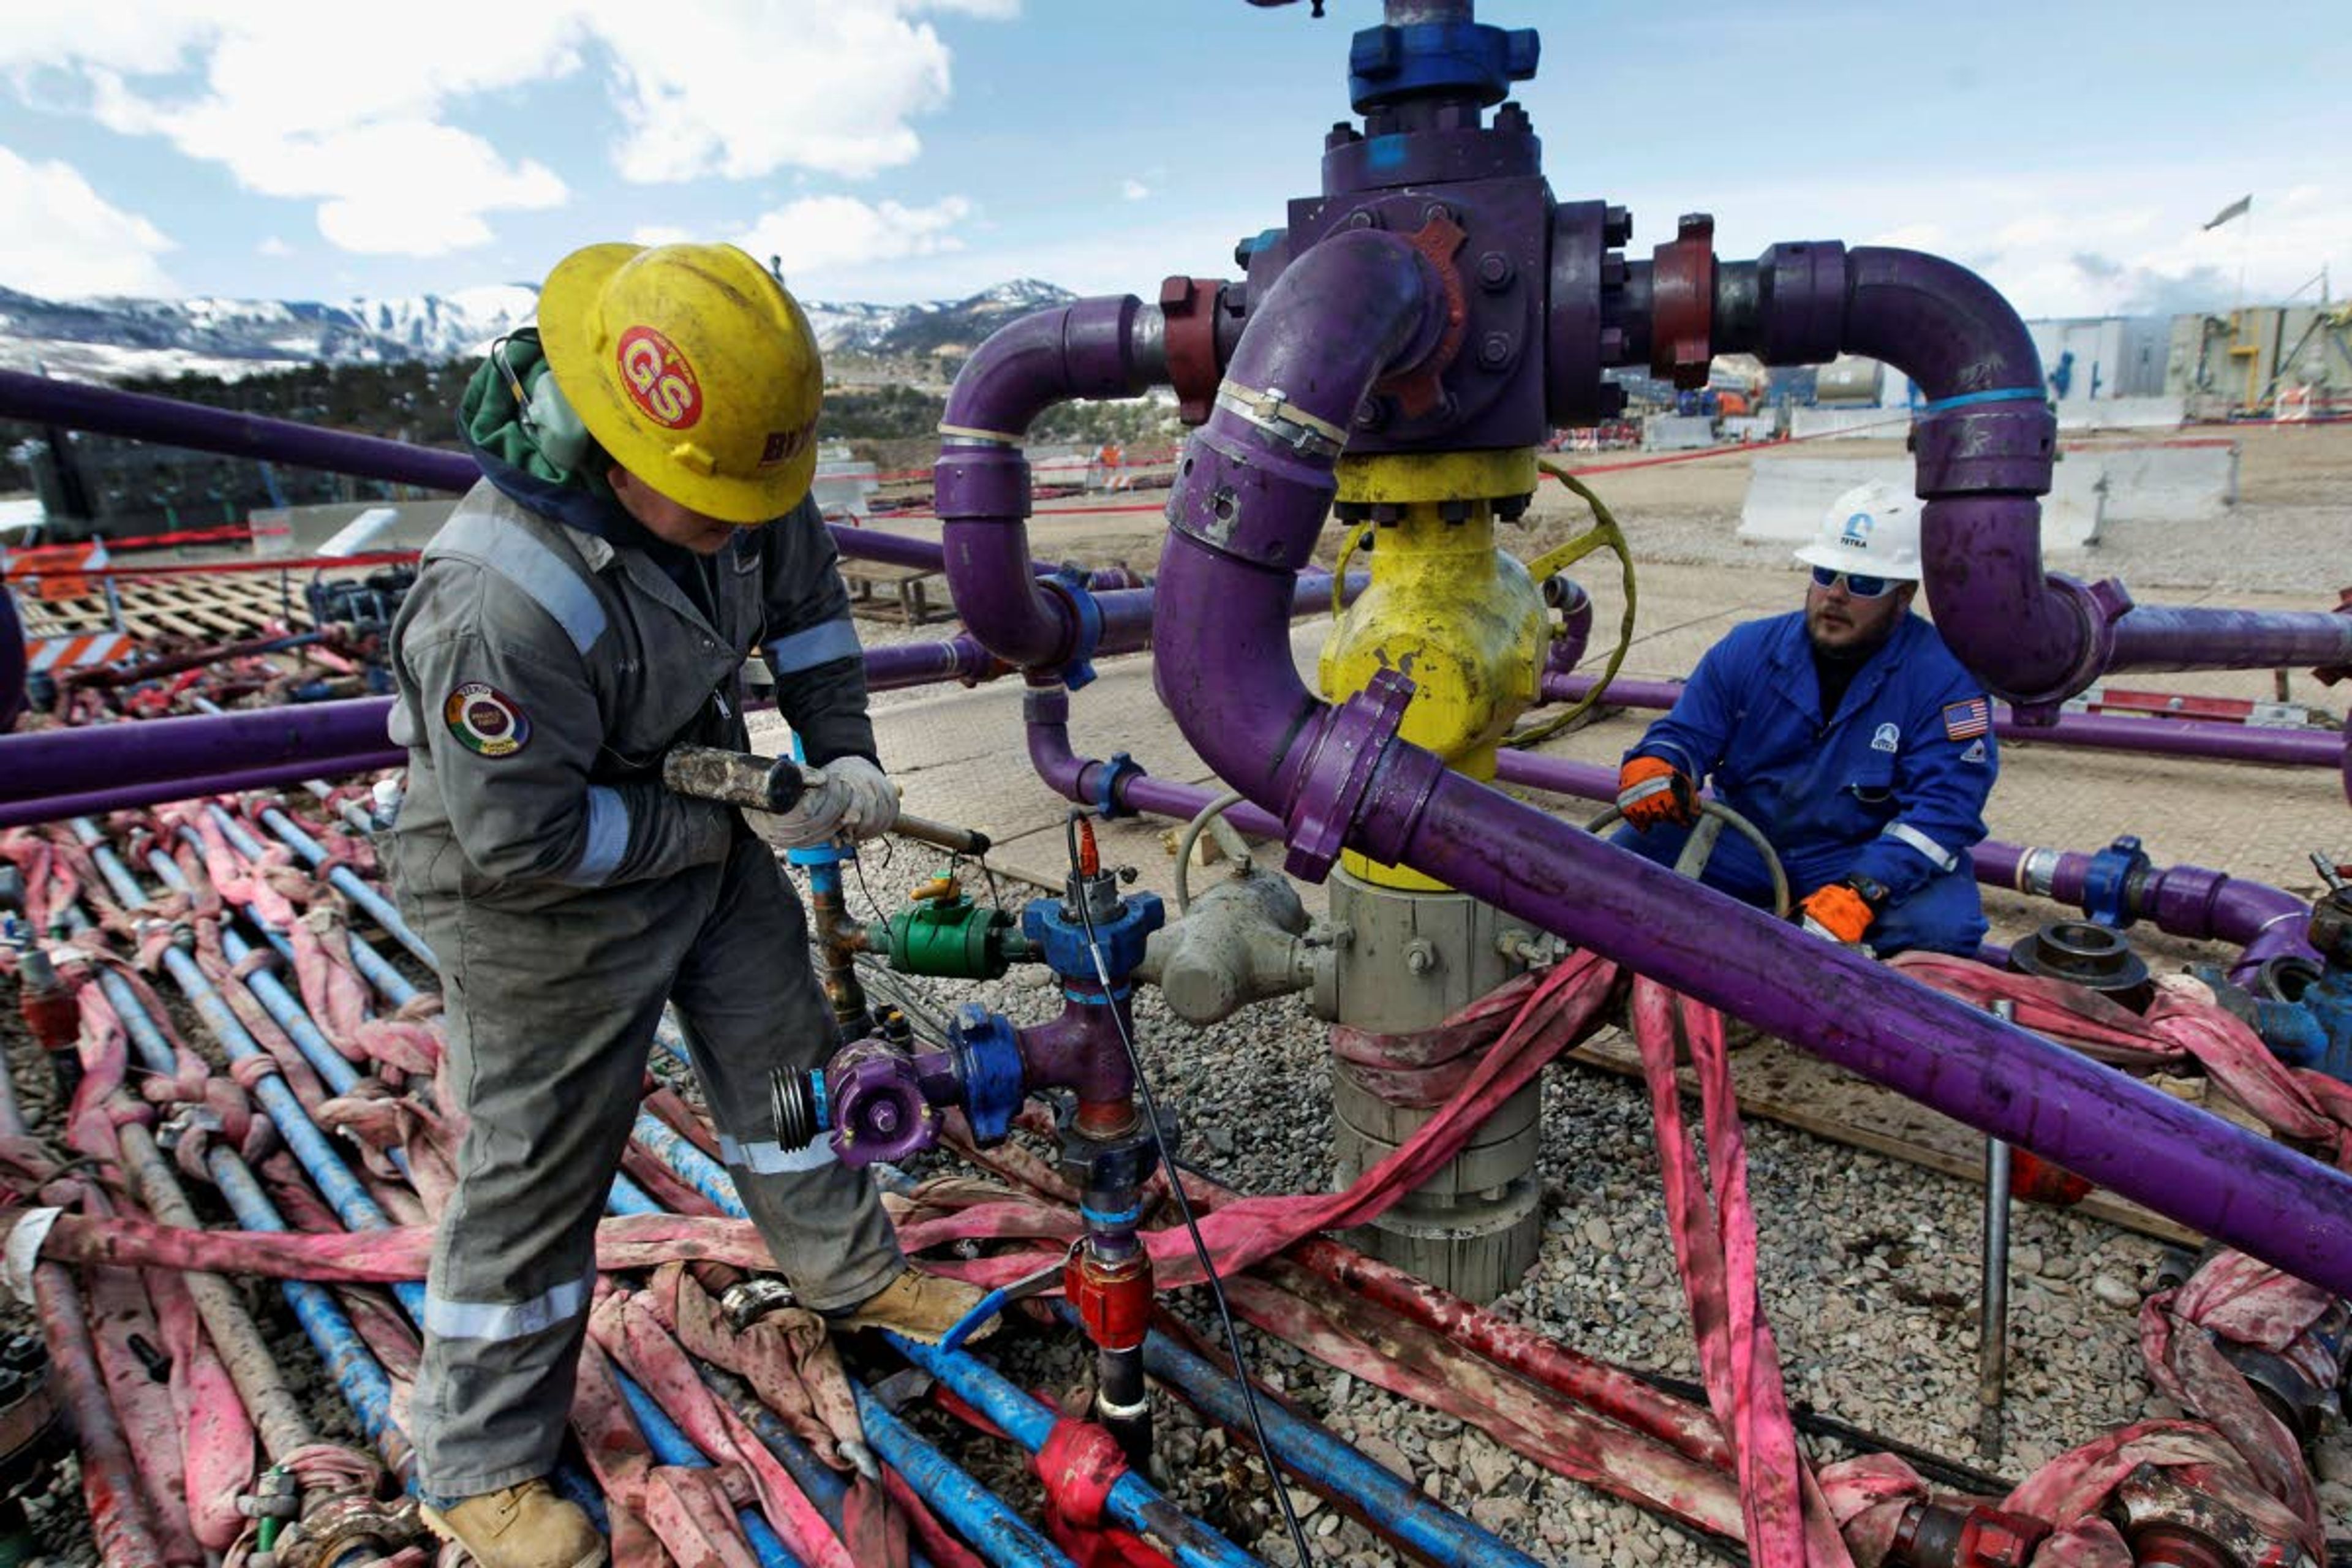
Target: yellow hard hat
694,370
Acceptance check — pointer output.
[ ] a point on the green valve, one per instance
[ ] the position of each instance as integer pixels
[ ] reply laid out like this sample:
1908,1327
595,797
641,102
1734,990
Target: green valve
949,939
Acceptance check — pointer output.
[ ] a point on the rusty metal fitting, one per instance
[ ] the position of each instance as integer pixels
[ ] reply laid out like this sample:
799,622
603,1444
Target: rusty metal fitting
1112,1299
2172,1524
1682,303
1957,1536
1419,389
343,1527
1188,306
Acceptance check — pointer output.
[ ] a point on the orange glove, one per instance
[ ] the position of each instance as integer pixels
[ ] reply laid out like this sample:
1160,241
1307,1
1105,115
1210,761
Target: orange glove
1652,792
1837,912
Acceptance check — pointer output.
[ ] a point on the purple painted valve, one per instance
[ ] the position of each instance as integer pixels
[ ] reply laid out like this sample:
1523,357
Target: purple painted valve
879,1112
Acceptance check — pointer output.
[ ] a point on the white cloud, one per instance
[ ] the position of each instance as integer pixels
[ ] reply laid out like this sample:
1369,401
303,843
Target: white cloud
661,234
830,235
365,124
274,247
1134,190
65,240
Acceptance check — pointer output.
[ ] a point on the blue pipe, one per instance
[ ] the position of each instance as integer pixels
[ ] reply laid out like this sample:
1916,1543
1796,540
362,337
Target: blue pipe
673,1446
379,908
1134,1502
356,1371
342,1190
979,1515
378,970
1395,1507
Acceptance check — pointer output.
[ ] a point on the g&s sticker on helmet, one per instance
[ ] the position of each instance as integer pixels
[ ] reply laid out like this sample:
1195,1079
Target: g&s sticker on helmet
486,720
657,378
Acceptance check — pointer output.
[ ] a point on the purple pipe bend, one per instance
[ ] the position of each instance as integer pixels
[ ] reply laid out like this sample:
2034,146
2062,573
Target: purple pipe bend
980,485
1079,1050
1245,512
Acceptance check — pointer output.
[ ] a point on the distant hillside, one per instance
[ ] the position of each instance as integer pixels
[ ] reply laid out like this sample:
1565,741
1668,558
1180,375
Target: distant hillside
119,338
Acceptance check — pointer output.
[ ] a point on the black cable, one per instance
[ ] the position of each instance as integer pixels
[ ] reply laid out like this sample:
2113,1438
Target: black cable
1183,1204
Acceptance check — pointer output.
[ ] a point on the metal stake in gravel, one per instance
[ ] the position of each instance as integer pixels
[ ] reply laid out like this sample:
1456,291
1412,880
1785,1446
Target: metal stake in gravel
1992,1318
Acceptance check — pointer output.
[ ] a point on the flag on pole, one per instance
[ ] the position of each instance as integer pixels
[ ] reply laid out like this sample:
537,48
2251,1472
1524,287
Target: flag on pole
2238,208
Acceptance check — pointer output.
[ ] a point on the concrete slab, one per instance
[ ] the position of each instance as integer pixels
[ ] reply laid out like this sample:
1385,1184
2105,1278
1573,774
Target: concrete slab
1874,423
2123,414
2170,481
1787,496
1677,433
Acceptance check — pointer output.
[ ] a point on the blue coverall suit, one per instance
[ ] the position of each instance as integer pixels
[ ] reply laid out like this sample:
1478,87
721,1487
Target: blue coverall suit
1891,789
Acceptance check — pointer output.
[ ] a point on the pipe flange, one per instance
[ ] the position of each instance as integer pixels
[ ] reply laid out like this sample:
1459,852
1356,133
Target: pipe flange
1189,306
1289,426
2101,605
1682,303
1071,582
1985,443
980,483
1114,771
1419,390
1340,773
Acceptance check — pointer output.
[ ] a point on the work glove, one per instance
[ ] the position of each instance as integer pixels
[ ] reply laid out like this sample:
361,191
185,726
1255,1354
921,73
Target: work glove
870,806
1837,912
1652,792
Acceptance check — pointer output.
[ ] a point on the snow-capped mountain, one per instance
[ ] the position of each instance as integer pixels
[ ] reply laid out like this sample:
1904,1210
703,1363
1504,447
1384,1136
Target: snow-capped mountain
118,338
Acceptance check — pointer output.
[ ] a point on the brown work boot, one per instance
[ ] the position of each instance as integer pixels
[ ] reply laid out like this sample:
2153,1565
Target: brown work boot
521,1526
923,1307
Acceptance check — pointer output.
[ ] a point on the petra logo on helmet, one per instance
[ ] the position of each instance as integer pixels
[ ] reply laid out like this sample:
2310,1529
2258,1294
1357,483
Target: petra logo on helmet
1857,531
659,381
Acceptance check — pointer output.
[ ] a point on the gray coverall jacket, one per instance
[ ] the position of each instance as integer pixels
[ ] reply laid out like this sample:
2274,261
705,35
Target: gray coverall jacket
541,674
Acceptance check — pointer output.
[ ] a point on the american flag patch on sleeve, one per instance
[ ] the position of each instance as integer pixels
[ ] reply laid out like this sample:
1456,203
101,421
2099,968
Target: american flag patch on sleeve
1966,721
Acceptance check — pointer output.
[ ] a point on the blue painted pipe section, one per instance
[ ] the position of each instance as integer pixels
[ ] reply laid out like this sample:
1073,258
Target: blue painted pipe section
1134,1502
1395,1507
671,1445
977,1514
342,878
705,1174
356,1371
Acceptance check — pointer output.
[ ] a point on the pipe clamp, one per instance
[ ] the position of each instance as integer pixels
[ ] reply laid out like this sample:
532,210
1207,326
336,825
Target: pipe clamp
1288,424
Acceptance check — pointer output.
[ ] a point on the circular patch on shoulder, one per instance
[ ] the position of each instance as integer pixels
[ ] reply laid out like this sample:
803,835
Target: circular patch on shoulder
486,720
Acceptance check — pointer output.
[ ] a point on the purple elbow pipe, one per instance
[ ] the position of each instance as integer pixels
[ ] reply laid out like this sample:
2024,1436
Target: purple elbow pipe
1046,711
1245,513
1093,348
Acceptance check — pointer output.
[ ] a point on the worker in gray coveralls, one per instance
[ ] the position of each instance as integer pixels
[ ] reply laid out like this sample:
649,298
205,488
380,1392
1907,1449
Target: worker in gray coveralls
588,605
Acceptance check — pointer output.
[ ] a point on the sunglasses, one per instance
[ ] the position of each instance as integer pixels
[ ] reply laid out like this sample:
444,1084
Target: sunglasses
1860,586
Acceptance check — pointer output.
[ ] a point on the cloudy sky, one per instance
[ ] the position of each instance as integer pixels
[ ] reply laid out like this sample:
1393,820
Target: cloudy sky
890,149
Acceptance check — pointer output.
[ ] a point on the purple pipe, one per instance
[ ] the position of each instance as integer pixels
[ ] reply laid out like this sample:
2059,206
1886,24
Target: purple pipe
1092,348
114,756
11,661
2092,731
1245,512
906,550
1046,710
155,791
1985,445
1080,1050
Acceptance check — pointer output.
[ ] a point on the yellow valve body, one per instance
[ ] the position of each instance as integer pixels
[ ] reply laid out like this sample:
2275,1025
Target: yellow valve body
1447,609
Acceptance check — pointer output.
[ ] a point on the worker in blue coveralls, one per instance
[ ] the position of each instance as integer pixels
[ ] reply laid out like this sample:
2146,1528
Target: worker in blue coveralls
1849,734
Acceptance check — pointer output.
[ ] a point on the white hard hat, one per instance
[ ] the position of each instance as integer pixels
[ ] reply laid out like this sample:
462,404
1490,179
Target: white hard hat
1872,529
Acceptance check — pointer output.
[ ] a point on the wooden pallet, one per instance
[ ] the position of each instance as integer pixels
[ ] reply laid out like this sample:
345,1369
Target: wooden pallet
901,594
1782,1084
205,609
